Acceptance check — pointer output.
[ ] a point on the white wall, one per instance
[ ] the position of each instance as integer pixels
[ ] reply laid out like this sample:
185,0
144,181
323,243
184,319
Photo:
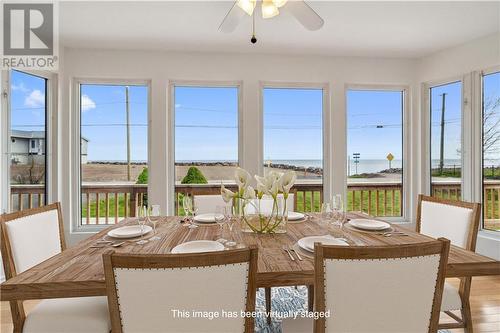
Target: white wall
475,55
160,67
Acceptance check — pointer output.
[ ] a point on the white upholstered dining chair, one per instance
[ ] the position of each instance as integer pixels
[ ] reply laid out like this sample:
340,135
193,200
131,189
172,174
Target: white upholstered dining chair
144,291
28,238
377,289
459,222
208,203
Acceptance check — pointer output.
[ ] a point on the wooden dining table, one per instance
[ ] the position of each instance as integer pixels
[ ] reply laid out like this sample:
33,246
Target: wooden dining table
78,271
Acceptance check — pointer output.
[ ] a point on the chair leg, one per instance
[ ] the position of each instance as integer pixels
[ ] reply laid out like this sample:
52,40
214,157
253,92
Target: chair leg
310,298
268,303
467,317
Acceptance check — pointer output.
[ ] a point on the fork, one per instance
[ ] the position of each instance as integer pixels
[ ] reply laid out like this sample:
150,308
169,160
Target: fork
289,253
296,253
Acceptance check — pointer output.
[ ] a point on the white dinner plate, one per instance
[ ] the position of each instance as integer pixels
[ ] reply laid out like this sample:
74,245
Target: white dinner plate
198,246
366,224
207,218
307,243
295,216
129,231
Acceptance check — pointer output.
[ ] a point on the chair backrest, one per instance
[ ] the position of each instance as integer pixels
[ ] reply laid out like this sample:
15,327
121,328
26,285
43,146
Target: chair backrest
456,220
30,237
207,203
380,289
144,291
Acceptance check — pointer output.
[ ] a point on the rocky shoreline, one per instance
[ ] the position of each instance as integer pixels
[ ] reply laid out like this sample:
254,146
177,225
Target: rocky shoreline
301,169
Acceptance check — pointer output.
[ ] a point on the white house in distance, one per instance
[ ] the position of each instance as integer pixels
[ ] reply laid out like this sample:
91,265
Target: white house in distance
32,143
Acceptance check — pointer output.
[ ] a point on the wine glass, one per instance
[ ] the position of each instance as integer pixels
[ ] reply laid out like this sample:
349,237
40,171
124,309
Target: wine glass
187,204
153,214
142,220
220,219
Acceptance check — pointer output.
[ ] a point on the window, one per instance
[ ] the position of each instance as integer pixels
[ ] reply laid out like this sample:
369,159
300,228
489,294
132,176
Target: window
491,151
375,152
113,151
206,134
28,123
293,139
446,140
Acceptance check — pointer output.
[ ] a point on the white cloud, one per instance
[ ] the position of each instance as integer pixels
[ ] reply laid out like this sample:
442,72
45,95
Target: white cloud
87,103
35,99
19,87
178,106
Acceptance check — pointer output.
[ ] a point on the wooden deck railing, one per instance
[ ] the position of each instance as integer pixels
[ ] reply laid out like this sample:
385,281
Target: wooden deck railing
107,203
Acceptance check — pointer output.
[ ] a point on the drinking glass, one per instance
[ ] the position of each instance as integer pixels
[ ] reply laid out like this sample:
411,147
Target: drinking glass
230,222
154,214
220,219
142,220
337,209
187,204
326,211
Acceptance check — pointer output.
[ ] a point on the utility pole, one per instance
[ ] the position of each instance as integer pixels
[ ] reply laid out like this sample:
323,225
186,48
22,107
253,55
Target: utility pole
356,156
127,108
441,153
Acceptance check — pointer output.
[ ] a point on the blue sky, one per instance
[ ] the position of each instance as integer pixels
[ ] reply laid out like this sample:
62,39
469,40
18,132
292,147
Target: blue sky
452,120
206,120
293,124
206,123
374,123
103,122
27,102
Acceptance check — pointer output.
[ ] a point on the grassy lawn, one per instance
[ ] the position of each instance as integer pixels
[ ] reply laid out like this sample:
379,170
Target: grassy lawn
102,207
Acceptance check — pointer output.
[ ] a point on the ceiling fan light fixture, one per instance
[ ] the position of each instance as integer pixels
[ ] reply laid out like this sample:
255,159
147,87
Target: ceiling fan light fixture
279,3
247,5
269,9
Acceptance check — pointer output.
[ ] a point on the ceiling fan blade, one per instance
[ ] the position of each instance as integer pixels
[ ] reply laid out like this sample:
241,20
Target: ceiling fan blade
305,14
232,19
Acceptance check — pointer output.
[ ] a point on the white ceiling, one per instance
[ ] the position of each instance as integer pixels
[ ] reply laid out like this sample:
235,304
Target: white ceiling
382,29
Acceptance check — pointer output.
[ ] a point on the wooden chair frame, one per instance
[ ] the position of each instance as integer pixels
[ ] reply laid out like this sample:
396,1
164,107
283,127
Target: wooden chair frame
465,283
16,307
322,252
113,260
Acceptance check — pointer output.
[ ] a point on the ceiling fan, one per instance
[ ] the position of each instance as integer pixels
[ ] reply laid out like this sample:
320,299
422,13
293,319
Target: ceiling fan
270,8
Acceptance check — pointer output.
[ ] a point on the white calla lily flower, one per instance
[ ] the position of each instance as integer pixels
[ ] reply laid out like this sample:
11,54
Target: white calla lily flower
249,193
242,178
286,182
227,195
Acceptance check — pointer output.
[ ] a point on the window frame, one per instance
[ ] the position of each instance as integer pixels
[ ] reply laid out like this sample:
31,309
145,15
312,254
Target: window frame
464,112
172,84
75,161
326,130
51,152
407,190
477,143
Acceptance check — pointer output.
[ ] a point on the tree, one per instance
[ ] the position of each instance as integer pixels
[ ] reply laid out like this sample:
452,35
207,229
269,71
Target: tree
194,176
491,127
143,177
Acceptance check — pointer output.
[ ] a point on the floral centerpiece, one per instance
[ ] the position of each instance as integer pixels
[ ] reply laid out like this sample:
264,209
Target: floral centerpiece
264,210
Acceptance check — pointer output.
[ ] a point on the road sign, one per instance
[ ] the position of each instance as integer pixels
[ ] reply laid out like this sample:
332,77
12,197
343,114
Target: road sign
390,157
